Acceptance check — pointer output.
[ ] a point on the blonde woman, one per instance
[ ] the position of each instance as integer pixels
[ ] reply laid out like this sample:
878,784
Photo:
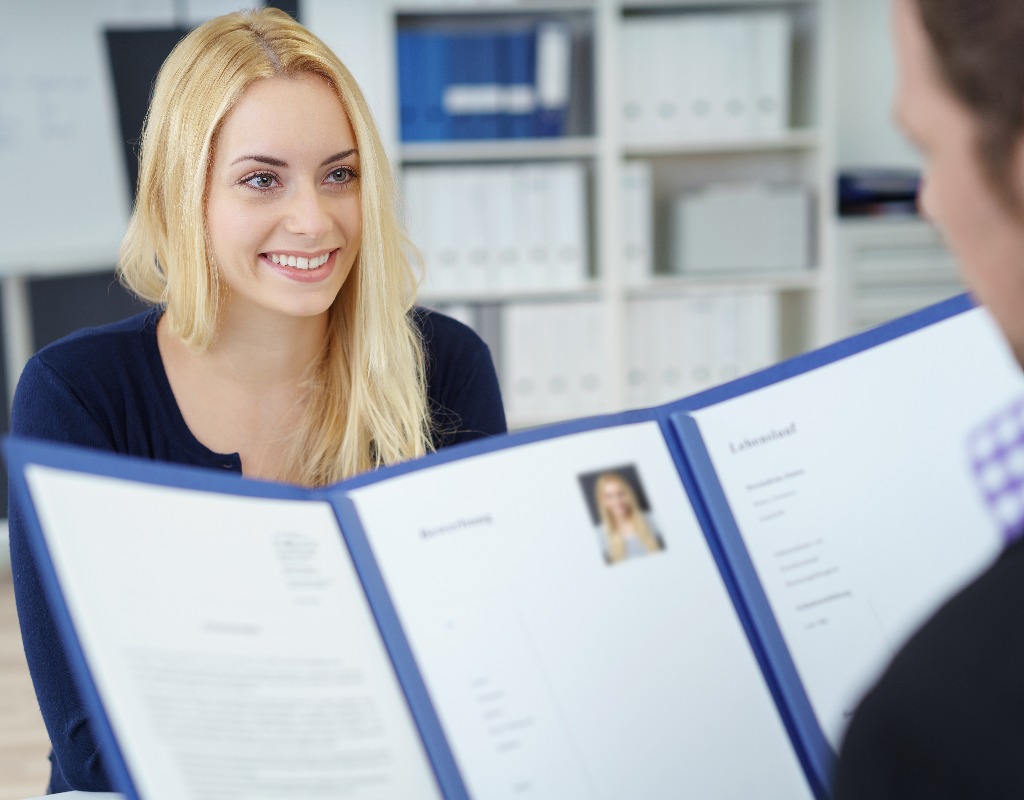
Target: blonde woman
283,343
627,531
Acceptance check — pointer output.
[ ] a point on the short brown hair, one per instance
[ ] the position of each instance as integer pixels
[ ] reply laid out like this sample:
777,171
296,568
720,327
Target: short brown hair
979,49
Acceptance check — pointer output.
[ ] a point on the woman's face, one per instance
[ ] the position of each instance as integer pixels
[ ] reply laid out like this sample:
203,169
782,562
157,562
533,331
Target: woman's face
986,238
283,206
615,500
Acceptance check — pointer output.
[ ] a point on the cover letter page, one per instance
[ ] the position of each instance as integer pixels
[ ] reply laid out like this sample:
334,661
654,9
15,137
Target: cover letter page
852,490
572,627
231,643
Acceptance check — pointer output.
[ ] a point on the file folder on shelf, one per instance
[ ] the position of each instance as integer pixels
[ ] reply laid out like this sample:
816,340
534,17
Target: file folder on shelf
486,83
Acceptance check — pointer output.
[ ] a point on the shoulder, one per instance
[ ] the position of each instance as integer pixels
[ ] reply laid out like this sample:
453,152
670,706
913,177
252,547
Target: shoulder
450,347
443,335
97,347
956,645
83,375
946,719
462,384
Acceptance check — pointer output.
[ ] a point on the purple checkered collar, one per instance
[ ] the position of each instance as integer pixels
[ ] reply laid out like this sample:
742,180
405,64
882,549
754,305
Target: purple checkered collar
997,458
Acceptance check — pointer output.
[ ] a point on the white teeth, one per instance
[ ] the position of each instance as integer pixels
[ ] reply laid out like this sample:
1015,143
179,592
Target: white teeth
298,261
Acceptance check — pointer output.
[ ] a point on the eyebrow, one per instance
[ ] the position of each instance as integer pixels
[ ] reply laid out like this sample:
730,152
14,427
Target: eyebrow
276,162
339,156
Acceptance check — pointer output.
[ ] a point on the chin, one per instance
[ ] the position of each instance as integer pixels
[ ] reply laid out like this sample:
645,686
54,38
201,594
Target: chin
309,313
309,306
1017,348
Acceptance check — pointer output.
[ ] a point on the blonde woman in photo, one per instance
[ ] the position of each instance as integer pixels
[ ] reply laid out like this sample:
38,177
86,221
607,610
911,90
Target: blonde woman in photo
283,342
627,530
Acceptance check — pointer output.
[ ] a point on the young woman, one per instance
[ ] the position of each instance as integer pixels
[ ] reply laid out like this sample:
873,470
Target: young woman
283,343
627,531
947,718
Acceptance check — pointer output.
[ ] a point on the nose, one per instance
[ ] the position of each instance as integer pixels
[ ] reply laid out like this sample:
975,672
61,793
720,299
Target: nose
925,201
307,213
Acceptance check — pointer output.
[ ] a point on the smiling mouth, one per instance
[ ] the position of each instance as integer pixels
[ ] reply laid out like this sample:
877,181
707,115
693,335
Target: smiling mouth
298,262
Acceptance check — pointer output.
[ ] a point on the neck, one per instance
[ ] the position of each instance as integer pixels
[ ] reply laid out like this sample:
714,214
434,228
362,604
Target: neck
624,518
269,350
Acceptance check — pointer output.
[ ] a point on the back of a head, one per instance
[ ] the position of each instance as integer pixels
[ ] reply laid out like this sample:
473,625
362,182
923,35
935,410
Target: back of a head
979,50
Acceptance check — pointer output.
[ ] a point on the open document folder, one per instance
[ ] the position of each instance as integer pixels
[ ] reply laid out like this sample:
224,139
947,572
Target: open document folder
467,624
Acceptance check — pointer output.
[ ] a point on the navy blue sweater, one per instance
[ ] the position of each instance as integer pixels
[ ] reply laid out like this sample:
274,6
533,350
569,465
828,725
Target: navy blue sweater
106,388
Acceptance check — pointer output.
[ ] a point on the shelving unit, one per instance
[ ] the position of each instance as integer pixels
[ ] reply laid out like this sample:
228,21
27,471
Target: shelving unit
796,140
799,154
498,150
891,267
666,284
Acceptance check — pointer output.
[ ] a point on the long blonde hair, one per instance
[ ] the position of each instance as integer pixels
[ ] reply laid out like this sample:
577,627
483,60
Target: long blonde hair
616,547
366,402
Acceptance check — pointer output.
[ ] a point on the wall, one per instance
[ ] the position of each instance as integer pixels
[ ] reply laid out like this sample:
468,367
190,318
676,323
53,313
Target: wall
865,75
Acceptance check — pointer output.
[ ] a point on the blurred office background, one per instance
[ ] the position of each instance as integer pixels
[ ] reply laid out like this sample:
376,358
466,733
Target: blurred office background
630,200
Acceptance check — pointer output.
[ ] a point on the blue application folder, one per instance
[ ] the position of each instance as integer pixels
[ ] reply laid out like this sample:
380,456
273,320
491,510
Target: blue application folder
525,653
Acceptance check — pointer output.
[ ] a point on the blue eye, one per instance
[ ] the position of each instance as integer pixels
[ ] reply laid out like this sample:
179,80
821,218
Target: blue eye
342,175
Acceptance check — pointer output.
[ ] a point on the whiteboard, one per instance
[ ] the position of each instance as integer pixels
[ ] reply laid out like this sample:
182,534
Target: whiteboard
66,198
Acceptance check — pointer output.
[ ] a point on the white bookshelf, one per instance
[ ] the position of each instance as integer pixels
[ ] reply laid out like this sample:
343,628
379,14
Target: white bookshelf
570,147
806,281
797,139
891,267
799,154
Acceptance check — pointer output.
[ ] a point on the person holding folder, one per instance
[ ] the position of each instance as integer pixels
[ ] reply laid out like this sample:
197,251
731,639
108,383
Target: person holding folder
283,343
947,718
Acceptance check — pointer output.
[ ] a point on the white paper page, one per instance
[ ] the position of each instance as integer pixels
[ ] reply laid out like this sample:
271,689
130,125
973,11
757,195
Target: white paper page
230,641
858,508
556,674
